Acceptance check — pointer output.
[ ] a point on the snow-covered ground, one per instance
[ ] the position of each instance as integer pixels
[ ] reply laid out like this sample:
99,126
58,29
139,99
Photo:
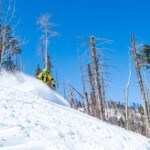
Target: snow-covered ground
32,117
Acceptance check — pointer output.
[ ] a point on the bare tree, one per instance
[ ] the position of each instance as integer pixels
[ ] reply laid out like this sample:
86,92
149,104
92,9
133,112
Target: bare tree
127,94
96,76
85,93
137,67
104,97
57,82
41,51
64,89
92,91
72,103
46,26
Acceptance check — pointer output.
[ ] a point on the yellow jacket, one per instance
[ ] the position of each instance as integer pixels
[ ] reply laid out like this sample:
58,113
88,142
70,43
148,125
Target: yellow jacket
47,78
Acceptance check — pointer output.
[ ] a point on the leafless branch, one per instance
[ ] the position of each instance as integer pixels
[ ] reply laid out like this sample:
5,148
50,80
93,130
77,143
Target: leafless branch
13,12
15,26
8,9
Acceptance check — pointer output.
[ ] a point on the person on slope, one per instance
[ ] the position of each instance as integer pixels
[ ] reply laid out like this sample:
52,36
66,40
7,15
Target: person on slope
47,78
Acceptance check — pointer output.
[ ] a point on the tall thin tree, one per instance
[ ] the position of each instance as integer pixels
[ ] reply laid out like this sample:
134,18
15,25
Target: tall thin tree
87,110
96,76
92,91
137,67
46,26
127,93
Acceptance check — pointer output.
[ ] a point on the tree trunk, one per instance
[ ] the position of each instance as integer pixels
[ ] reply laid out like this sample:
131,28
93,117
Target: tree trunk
105,113
3,48
46,50
96,76
41,49
86,101
92,93
127,95
141,86
147,93
16,60
64,91
76,91
57,83
72,99
21,63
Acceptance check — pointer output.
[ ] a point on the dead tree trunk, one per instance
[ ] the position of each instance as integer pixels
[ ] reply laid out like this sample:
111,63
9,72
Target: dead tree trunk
141,86
16,60
87,110
105,113
92,93
64,89
76,91
147,93
72,99
96,76
57,83
21,63
3,47
41,49
127,95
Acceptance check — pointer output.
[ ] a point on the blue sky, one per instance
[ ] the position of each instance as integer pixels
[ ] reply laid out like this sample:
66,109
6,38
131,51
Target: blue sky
110,19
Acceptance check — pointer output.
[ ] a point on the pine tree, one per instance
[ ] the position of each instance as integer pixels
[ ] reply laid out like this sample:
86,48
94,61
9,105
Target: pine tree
9,65
49,65
144,57
16,50
37,71
9,45
10,49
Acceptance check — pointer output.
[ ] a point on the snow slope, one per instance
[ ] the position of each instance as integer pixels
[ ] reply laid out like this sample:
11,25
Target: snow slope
28,84
35,118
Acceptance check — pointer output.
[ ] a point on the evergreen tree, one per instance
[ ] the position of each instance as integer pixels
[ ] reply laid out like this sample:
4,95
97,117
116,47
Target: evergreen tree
37,71
11,50
9,46
144,57
16,50
9,65
49,65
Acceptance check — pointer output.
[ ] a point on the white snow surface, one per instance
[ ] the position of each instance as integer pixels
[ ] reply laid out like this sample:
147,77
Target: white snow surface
35,118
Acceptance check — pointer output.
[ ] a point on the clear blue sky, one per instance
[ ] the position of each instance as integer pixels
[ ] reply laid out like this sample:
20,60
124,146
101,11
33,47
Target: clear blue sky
110,19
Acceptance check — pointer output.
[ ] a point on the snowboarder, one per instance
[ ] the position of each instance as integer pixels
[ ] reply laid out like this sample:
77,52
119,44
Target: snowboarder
47,78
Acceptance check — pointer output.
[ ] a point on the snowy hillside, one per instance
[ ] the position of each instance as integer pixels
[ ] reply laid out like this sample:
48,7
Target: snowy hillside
32,117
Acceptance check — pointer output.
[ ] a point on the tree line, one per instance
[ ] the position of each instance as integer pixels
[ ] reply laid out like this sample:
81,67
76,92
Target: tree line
95,97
